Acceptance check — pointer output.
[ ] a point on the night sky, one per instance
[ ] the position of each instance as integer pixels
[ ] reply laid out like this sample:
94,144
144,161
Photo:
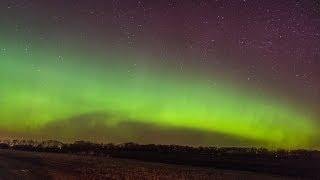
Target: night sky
188,72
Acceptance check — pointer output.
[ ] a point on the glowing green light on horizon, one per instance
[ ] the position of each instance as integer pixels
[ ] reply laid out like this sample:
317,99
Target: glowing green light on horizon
40,88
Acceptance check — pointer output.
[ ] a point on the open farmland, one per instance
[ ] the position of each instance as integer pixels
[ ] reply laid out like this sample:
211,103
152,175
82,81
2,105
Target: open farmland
31,165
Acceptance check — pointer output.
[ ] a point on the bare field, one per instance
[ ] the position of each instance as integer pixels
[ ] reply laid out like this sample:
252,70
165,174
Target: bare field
32,165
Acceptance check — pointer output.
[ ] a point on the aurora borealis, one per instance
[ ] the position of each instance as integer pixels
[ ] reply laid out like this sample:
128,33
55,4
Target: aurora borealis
239,73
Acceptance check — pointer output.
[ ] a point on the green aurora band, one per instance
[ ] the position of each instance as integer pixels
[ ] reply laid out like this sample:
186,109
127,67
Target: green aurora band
42,86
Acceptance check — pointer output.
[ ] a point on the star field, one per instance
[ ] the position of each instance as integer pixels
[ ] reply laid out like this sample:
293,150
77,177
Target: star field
245,69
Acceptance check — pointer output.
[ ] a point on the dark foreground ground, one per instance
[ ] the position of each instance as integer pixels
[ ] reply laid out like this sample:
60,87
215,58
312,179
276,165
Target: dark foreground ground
32,165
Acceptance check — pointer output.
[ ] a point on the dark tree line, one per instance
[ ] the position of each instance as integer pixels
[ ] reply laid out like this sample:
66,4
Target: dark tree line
295,162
